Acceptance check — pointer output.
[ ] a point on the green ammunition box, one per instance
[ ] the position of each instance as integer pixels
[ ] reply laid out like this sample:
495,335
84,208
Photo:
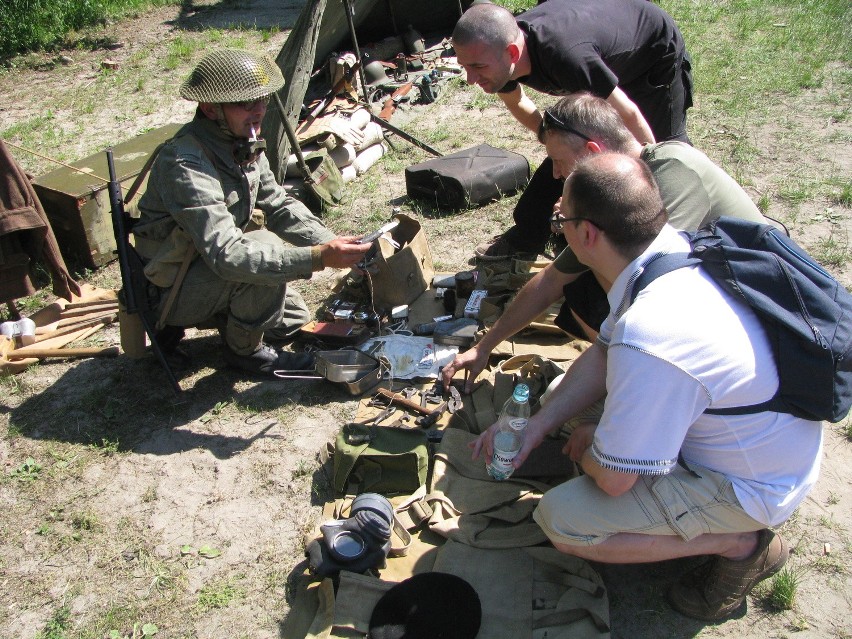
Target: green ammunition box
77,204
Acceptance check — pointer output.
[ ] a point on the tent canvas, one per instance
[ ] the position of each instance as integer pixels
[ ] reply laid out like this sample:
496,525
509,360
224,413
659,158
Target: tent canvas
323,28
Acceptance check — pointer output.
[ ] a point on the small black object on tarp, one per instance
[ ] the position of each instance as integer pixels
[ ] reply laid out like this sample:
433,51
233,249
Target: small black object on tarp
430,605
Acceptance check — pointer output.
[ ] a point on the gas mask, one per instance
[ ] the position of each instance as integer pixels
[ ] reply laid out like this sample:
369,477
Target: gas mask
358,543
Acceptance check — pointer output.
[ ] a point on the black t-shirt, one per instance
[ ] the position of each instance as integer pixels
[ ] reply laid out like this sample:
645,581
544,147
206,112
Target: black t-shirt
596,45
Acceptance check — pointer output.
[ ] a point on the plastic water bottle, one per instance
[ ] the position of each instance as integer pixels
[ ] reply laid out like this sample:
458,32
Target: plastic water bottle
510,433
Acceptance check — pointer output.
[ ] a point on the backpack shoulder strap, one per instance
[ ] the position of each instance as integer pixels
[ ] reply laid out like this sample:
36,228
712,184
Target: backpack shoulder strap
659,266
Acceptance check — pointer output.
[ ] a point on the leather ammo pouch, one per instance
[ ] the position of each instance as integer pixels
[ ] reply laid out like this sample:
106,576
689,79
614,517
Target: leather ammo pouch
399,276
378,459
470,177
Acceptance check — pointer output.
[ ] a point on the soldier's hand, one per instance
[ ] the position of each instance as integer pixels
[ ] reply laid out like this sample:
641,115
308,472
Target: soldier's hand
342,252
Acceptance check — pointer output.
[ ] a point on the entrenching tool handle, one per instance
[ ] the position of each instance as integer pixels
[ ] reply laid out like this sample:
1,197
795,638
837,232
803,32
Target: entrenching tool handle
110,351
294,142
399,400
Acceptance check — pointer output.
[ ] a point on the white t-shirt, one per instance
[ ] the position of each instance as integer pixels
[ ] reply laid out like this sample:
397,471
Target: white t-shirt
685,346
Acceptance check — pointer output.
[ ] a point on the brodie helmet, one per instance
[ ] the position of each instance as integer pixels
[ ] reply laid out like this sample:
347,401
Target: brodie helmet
375,73
232,75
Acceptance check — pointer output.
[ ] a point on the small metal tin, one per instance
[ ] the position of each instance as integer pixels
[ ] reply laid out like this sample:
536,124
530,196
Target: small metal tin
465,281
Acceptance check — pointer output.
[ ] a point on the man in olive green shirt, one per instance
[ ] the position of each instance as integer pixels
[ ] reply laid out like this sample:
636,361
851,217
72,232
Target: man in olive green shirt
694,191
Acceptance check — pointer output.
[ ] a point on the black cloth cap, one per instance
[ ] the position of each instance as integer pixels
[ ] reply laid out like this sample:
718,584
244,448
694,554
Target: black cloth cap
431,605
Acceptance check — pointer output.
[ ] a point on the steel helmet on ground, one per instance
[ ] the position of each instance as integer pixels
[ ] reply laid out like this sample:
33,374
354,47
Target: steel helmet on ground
232,75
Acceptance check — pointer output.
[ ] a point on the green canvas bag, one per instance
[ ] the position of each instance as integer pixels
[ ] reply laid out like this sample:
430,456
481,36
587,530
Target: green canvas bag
378,459
324,183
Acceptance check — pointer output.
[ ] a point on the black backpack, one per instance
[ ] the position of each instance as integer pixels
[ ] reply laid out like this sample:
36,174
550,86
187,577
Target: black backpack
806,313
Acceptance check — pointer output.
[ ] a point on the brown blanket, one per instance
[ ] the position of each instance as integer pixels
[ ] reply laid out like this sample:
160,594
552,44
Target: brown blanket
26,236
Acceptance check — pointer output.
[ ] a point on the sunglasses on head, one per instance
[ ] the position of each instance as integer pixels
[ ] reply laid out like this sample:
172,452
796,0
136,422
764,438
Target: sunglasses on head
551,121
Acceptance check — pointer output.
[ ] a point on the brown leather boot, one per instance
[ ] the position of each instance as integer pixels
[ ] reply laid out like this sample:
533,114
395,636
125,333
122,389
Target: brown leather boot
717,589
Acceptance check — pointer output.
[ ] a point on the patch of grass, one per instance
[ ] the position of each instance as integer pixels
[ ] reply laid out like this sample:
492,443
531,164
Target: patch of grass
842,193
58,625
479,101
119,621
29,25
830,251
780,593
846,429
150,494
303,469
219,595
829,564
180,51
517,6
85,521
106,447
28,471
796,192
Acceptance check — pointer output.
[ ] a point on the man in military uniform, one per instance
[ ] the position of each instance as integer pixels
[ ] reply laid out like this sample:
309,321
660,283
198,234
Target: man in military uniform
213,207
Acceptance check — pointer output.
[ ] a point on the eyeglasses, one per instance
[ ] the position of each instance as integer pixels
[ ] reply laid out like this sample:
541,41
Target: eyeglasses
551,120
557,221
251,105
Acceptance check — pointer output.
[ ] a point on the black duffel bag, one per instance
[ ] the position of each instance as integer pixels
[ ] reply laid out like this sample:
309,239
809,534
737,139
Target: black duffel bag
470,177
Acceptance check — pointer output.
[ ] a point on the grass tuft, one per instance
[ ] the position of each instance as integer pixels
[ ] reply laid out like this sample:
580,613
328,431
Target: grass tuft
781,592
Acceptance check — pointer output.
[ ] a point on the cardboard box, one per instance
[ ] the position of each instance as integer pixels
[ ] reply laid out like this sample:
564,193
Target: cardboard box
77,204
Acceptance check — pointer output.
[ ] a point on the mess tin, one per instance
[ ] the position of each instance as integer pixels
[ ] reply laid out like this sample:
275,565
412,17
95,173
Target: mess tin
357,371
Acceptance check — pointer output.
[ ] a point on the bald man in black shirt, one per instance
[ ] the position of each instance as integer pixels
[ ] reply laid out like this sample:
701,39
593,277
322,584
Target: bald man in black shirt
629,52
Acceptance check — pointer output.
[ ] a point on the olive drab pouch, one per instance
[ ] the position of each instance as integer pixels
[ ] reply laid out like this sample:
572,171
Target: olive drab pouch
325,183
389,461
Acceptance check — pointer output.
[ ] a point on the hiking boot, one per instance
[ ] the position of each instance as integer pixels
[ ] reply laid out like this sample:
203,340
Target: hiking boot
498,248
266,360
717,589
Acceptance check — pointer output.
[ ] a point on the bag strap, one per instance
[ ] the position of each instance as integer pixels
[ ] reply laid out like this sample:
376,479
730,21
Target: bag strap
188,256
667,263
146,168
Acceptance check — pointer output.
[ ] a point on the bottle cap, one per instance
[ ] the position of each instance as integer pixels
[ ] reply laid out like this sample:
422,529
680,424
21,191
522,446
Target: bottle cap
522,393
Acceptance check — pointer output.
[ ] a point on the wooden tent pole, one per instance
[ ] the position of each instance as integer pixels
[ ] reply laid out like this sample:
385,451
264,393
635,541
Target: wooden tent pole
350,12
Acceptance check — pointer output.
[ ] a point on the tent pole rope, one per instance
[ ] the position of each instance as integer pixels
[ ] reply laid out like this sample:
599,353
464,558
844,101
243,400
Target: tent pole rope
50,159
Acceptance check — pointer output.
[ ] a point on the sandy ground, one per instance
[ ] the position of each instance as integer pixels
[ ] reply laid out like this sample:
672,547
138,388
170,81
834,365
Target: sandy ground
189,512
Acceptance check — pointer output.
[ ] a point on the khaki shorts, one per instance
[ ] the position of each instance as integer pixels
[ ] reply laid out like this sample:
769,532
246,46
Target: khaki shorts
579,513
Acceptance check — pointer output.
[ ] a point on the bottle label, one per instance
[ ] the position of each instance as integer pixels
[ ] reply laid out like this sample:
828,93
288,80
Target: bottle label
519,423
501,464
503,456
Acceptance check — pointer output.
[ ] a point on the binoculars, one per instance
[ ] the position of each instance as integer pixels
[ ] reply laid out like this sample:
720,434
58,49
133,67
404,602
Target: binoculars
359,543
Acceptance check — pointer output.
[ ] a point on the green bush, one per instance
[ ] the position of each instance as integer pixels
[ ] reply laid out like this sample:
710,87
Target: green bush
32,25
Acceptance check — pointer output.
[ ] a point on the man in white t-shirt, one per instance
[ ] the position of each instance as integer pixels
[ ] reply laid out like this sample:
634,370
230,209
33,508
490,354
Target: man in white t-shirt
681,347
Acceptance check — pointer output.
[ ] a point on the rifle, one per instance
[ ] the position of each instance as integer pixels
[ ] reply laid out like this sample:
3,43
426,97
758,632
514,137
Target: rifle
134,284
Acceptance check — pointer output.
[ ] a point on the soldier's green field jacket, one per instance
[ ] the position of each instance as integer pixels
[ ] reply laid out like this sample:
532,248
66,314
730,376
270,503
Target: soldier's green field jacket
198,193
